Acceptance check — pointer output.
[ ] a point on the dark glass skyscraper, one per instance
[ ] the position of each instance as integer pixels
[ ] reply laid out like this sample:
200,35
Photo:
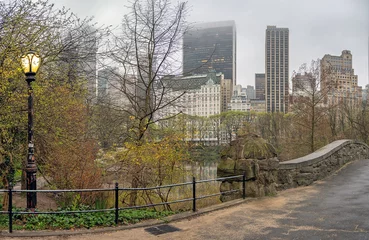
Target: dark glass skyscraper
211,46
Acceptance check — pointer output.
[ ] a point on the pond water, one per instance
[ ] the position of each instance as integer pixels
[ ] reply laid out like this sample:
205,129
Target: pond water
201,171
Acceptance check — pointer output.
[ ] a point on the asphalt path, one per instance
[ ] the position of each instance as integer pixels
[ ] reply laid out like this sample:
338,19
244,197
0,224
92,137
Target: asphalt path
336,208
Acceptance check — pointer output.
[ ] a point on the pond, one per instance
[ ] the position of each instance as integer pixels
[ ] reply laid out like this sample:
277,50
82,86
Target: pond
200,170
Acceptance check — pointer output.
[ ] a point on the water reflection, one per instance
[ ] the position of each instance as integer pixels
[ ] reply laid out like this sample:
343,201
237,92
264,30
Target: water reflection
201,171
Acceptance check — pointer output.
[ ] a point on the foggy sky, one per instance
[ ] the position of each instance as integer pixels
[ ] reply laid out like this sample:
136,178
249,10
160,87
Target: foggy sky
317,27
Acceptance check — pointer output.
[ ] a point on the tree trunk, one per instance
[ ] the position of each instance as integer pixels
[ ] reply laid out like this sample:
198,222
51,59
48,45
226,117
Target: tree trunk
312,147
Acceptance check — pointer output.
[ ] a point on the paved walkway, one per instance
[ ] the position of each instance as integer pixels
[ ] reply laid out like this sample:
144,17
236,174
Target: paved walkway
337,208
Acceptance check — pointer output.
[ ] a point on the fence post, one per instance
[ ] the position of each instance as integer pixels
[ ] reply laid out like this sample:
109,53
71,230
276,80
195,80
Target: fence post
244,185
116,203
10,208
194,194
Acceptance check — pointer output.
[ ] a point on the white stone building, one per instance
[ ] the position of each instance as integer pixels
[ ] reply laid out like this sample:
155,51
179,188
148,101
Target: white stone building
239,100
198,96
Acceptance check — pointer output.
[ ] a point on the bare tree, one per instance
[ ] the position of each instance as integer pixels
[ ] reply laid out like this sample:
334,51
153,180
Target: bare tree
356,117
311,91
145,52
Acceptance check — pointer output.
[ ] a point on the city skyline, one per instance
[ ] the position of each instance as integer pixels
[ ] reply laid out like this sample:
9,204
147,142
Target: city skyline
314,31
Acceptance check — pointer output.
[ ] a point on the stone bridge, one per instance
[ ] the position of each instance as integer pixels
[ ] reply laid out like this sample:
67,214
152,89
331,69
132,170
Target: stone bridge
271,175
319,164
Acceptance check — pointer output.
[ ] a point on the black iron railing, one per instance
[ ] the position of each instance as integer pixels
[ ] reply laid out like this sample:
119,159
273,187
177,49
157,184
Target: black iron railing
116,191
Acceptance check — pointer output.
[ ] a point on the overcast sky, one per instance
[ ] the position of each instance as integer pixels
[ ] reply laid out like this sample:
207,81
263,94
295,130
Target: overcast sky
317,27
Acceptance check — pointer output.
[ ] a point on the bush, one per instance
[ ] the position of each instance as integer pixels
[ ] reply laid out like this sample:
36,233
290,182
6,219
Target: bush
79,220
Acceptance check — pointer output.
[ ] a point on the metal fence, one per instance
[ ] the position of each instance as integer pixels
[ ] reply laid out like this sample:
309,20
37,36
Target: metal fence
117,190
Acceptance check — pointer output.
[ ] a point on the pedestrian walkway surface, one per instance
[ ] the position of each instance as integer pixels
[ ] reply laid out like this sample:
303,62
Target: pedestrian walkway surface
336,208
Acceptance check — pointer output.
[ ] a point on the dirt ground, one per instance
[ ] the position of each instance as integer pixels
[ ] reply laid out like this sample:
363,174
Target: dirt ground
44,201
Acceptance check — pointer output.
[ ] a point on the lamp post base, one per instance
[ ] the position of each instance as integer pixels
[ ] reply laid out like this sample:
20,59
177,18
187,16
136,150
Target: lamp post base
31,185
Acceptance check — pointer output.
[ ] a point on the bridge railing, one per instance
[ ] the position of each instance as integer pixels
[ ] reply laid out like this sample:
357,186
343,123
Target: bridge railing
117,190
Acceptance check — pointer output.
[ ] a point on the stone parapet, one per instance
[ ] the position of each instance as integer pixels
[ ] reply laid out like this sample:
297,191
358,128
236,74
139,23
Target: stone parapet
319,164
254,157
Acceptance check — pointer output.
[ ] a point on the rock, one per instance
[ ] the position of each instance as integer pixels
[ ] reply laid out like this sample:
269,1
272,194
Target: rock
226,198
269,164
307,170
285,178
227,166
304,179
251,189
247,166
271,190
227,186
254,156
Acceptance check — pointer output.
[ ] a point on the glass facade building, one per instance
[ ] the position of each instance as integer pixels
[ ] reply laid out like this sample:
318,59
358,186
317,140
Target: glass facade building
211,46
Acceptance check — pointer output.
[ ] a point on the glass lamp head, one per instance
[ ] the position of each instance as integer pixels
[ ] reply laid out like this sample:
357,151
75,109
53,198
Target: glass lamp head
31,62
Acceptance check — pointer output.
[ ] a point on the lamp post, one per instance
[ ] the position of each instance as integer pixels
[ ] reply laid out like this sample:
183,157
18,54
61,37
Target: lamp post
31,62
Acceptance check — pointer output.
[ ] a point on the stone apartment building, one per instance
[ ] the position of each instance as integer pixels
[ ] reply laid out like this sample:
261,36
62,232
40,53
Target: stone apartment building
339,80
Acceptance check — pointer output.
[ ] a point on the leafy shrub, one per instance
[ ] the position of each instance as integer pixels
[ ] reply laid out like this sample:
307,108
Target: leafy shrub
79,220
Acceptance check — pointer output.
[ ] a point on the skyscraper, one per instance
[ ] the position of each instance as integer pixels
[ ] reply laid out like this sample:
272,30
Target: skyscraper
250,92
211,46
260,86
276,69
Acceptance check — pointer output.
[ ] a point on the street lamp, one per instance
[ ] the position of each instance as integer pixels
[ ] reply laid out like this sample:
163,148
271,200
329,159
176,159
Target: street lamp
31,62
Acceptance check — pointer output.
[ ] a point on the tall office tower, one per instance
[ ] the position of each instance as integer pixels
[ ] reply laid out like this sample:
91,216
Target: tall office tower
339,79
250,92
211,46
276,69
260,86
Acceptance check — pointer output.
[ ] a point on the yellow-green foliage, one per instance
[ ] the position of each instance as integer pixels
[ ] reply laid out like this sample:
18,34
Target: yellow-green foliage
257,148
157,162
148,163
249,146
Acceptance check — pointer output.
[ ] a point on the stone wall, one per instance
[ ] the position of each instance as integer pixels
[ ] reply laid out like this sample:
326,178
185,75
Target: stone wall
254,157
319,164
261,177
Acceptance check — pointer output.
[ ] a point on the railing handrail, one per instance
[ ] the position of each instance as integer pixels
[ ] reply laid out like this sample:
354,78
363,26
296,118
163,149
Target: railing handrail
116,189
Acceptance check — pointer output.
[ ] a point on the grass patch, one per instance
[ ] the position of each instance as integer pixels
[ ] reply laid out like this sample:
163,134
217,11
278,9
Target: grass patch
79,220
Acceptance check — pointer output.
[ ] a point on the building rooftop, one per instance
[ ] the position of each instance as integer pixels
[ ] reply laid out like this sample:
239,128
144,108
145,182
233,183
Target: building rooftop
343,52
230,23
191,82
275,28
